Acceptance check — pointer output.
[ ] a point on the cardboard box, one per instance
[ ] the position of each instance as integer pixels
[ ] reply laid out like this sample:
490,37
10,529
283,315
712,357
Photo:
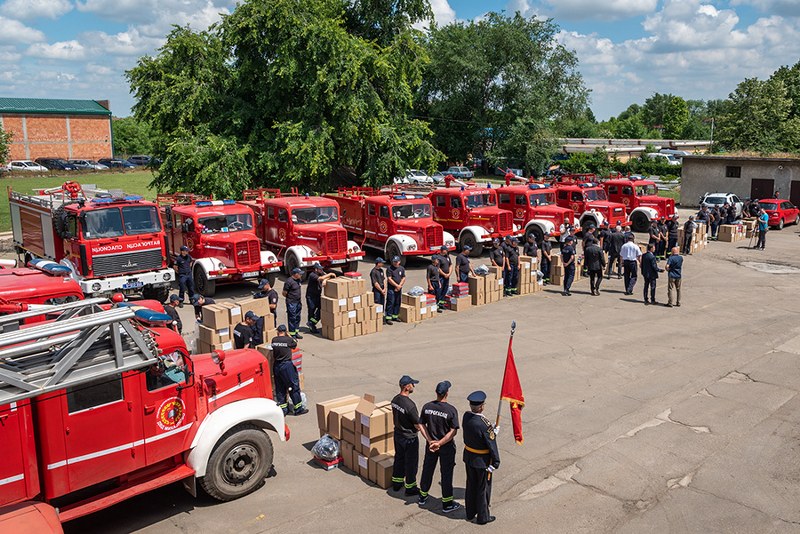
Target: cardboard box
496,271
407,314
348,436
358,301
379,323
410,300
477,285
270,334
234,312
348,331
211,336
373,446
324,408
374,419
359,330
258,306
215,316
383,466
370,296
225,345
363,465
337,288
335,416
346,450
331,305
478,299
332,333
368,327
460,304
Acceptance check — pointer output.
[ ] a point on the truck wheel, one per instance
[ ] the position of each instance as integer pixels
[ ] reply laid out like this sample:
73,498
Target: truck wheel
239,464
161,293
639,222
797,220
537,233
202,284
272,277
393,250
352,266
588,221
290,263
469,239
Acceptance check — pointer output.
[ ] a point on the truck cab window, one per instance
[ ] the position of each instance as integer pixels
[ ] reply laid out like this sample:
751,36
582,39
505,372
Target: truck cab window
103,223
169,371
505,198
283,215
520,200
270,212
441,201
613,190
455,202
627,190
93,394
72,225
371,209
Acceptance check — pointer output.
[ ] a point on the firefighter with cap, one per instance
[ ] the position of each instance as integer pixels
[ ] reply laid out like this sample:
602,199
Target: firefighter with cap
183,265
286,379
198,301
406,442
481,458
170,309
265,291
396,279
377,278
511,272
316,281
294,307
463,264
445,271
440,419
256,325
497,255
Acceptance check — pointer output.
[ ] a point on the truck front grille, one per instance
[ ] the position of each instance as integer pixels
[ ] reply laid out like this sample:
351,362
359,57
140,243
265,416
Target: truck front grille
433,237
127,262
247,253
504,222
336,242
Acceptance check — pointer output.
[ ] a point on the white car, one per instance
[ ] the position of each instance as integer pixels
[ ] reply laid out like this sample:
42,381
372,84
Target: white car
720,199
663,158
88,164
27,166
416,176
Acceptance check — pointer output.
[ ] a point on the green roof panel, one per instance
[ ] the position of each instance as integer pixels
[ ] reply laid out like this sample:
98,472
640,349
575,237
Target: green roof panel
51,106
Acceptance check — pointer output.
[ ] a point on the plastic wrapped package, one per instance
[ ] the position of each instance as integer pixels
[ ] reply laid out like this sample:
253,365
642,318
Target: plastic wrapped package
416,291
327,448
481,270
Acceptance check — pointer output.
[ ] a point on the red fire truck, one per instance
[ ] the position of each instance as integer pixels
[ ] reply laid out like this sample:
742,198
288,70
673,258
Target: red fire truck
640,197
589,203
535,210
470,211
101,405
302,229
111,242
398,224
221,238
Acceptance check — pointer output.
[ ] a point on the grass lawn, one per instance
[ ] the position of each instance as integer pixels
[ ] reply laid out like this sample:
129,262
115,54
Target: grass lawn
133,182
673,194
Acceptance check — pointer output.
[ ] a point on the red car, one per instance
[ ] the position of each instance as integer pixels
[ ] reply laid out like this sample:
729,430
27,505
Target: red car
780,212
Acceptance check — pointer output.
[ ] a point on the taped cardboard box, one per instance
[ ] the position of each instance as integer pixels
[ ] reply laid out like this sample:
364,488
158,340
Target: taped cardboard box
332,305
332,333
374,419
348,436
407,314
258,306
211,336
335,418
411,300
324,408
370,447
380,470
460,304
359,329
215,316
337,288
477,285
346,450
234,312
363,465
348,331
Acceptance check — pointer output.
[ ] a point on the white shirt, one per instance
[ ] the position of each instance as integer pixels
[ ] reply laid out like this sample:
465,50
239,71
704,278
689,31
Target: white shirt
630,251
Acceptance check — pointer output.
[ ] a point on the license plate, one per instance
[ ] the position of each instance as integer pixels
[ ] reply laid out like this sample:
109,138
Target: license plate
250,274
132,285
338,261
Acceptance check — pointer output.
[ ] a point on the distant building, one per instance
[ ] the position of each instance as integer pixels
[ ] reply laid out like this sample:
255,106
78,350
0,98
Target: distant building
57,128
746,176
625,149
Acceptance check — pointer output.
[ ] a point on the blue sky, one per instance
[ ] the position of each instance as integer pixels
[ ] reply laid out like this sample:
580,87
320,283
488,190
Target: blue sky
627,49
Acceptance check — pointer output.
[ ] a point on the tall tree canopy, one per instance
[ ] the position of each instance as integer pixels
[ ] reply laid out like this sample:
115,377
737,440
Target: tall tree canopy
131,136
5,145
287,93
498,86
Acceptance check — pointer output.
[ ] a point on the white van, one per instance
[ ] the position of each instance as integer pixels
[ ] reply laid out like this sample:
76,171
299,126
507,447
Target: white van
663,158
677,153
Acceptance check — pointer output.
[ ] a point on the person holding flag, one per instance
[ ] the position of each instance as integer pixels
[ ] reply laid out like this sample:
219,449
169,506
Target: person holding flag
511,391
481,458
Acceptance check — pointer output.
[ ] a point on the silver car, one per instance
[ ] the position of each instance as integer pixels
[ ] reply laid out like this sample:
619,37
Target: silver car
88,164
460,172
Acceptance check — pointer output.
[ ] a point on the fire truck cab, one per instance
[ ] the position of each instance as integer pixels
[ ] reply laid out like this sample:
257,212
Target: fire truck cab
221,237
535,210
640,197
302,229
111,242
399,224
103,404
589,203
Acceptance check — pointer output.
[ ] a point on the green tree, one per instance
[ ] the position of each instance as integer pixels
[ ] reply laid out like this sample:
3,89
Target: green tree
5,145
498,87
655,110
131,136
676,118
284,93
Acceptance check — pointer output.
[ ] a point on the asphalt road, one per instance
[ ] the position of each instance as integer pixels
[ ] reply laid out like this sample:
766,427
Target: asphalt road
637,418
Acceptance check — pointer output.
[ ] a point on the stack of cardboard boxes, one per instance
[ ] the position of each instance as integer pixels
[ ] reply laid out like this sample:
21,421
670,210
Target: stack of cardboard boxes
750,225
699,238
349,310
414,309
459,299
730,233
556,270
528,281
488,288
365,431
219,320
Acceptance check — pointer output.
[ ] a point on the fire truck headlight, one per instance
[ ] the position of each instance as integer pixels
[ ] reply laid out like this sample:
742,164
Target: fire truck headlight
221,266
491,229
355,248
96,286
449,243
412,246
167,277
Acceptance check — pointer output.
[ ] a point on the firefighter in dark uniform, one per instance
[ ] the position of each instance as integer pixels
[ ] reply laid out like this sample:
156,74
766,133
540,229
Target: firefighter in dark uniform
265,291
256,325
377,278
440,419
445,271
406,443
547,249
169,309
463,264
497,255
198,301
512,267
316,281
286,373
183,265
481,459
396,276
294,306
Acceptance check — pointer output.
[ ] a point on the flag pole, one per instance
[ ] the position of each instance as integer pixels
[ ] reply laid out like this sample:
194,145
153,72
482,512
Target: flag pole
500,401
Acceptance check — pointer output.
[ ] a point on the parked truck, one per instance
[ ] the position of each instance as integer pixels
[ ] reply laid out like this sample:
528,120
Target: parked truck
641,200
111,242
302,229
535,210
221,237
589,203
99,406
397,224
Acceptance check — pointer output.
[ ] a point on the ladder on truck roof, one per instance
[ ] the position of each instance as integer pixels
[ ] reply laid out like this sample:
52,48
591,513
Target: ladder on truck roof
72,351
265,193
13,321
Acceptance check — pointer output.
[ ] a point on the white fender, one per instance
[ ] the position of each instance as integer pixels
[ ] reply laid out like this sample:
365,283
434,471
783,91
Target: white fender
268,257
448,240
543,225
263,413
477,232
650,213
404,242
596,215
300,252
208,265
352,246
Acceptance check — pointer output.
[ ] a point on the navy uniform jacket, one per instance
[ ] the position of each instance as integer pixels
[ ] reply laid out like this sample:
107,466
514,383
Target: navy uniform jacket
479,435
649,266
184,265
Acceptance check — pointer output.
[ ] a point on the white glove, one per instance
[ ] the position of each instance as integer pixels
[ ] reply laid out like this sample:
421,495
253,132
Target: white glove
497,430
490,469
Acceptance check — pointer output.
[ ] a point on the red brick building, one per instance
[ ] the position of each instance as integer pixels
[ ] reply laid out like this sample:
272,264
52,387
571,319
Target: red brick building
69,129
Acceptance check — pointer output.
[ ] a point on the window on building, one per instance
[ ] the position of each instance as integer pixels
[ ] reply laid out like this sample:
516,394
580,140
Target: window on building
733,171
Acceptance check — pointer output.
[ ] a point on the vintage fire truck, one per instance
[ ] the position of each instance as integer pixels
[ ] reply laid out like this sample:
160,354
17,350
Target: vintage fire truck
105,403
640,197
589,203
220,235
302,229
470,211
398,224
111,242
535,210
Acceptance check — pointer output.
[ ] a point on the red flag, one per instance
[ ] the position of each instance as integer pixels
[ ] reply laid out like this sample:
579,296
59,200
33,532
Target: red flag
512,392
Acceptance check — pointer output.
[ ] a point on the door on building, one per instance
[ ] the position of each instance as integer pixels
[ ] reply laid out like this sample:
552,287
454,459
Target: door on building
794,194
762,188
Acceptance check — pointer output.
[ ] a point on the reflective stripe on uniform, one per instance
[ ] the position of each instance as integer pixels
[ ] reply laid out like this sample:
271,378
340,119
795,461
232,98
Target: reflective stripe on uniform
423,493
447,499
412,485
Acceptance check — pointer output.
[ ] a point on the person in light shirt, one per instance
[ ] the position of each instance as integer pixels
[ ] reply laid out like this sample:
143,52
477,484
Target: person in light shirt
631,256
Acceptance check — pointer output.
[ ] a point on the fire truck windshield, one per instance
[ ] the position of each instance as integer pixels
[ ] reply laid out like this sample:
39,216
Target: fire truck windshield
595,194
231,222
541,199
315,215
642,190
115,222
480,201
411,211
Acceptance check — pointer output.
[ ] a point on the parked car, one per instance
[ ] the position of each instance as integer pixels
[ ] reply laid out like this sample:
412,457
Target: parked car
780,212
140,161
116,163
56,164
663,158
461,173
88,164
416,176
499,171
720,199
26,166
438,177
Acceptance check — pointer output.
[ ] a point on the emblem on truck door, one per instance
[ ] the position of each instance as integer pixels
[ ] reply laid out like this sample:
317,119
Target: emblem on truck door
170,414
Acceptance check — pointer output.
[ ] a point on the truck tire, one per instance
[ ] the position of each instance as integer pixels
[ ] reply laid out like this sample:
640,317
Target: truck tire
468,239
202,284
352,266
272,277
239,463
639,222
393,250
588,221
59,223
290,262
537,233
161,293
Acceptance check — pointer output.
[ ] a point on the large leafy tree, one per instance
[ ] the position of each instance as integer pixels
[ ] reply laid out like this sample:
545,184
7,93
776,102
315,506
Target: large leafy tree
287,93
676,118
499,86
5,145
131,136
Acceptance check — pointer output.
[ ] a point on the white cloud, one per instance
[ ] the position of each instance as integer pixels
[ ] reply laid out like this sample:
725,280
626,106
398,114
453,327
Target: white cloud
788,8
128,43
62,50
14,32
594,9
34,9
157,16
442,12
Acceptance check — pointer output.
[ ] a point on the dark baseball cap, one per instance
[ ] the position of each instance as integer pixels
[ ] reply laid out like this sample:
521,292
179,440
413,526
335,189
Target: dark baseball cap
184,247
251,315
297,270
379,260
406,380
173,298
195,298
395,259
317,265
476,398
281,327
443,387
264,282
466,247
443,247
